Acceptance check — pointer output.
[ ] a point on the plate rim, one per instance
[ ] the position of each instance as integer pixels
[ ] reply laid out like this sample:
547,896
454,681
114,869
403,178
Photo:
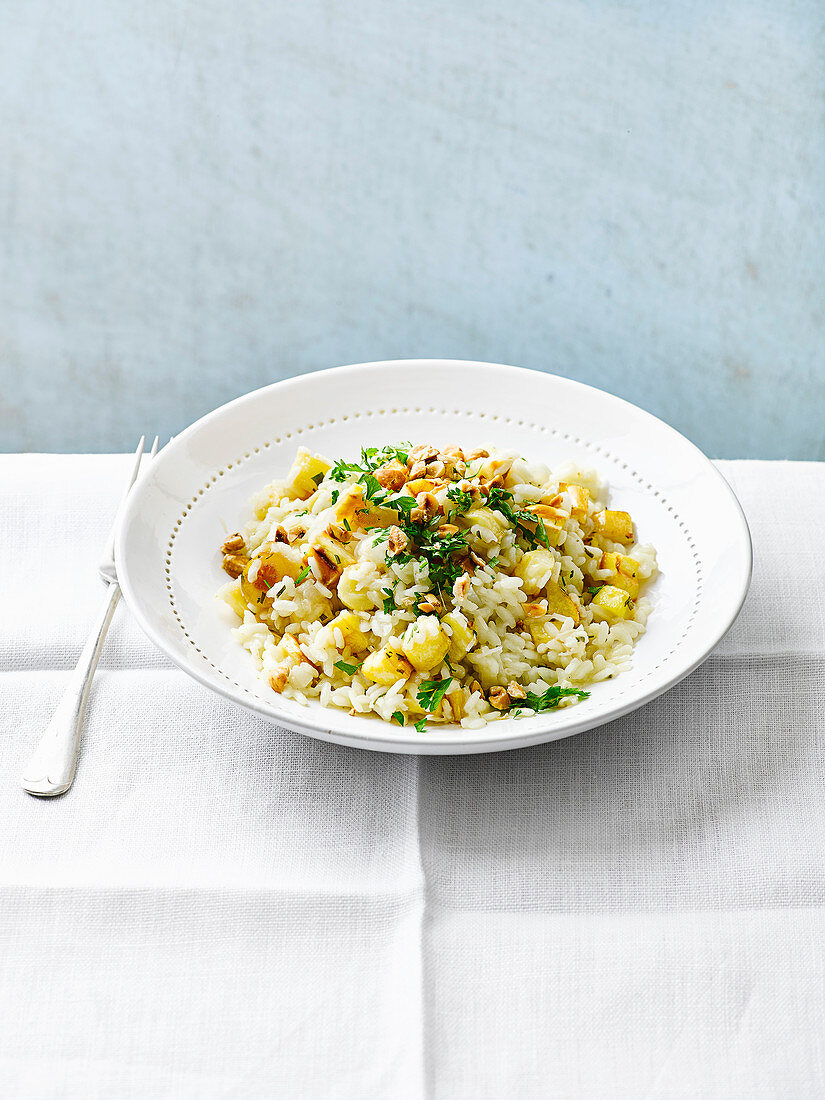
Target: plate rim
492,737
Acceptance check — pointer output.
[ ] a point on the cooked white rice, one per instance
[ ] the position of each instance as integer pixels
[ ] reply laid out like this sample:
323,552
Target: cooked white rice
351,591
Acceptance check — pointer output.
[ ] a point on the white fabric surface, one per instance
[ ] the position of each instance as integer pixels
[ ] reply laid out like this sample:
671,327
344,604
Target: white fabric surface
220,908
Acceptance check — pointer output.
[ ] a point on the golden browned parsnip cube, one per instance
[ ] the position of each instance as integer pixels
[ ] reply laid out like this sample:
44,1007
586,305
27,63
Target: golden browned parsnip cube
625,572
306,473
616,526
425,643
559,603
385,666
611,604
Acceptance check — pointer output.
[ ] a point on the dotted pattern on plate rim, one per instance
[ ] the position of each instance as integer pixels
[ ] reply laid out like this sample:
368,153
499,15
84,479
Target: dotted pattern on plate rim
433,411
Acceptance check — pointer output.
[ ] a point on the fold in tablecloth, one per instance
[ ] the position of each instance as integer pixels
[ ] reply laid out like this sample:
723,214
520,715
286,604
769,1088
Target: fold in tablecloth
221,908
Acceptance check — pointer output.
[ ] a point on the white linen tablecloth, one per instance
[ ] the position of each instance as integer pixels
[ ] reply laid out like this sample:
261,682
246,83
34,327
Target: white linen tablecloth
222,908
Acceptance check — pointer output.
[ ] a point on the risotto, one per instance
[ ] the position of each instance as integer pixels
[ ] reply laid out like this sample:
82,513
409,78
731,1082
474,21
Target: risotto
429,585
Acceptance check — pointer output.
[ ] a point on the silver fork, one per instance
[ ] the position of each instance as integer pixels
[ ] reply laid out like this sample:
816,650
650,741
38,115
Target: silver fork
51,768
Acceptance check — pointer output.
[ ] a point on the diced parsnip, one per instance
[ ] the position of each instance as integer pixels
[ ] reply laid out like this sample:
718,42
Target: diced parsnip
486,517
292,650
306,473
421,485
236,599
350,500
425,644
543,630
625,572
371,515
331,557
386,665
455,701
553,520
534,570
351,586
275,564
610,604
463,637
350,626
580,498
616,526
263,573
559,603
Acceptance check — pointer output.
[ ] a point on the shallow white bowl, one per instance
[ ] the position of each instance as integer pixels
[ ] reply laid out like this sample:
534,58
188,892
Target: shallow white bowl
199,487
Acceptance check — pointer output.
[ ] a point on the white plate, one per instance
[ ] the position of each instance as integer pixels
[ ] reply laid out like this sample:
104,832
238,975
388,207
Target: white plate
199,486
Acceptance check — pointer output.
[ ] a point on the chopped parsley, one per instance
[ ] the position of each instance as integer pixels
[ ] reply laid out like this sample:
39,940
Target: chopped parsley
398,717
431,692
389,600
596,589
421,726
317,478
302,576
350,670
463,500
548,700
530,527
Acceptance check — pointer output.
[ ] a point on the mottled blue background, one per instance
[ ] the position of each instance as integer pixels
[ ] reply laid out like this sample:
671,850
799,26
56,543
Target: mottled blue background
200,198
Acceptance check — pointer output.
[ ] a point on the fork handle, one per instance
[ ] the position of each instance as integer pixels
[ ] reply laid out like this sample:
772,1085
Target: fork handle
51,769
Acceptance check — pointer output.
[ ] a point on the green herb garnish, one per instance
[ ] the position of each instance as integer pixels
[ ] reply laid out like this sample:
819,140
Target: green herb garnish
597,588
350,670
422,725
302,576
548,700
463,500
398,717
431,692
389,600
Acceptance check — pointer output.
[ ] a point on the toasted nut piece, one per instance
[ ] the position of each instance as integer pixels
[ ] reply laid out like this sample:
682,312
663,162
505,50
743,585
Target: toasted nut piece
392,475
448,529
516,691
535,610
417,469
476,559
430,605
422,452
480,453
428,504
437,468
498,698
278,679
281,534
461,586
233,543
336,531
475,686
234,565
398,541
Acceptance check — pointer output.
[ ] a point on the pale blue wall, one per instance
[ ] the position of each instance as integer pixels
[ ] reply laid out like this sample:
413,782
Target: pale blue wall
199,198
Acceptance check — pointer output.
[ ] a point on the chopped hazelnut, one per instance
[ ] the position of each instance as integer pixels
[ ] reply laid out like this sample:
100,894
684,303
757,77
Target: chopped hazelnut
281,534
461,586
430,605
498,698
234,564
516,691
233,543
392,475
398,541
278,679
